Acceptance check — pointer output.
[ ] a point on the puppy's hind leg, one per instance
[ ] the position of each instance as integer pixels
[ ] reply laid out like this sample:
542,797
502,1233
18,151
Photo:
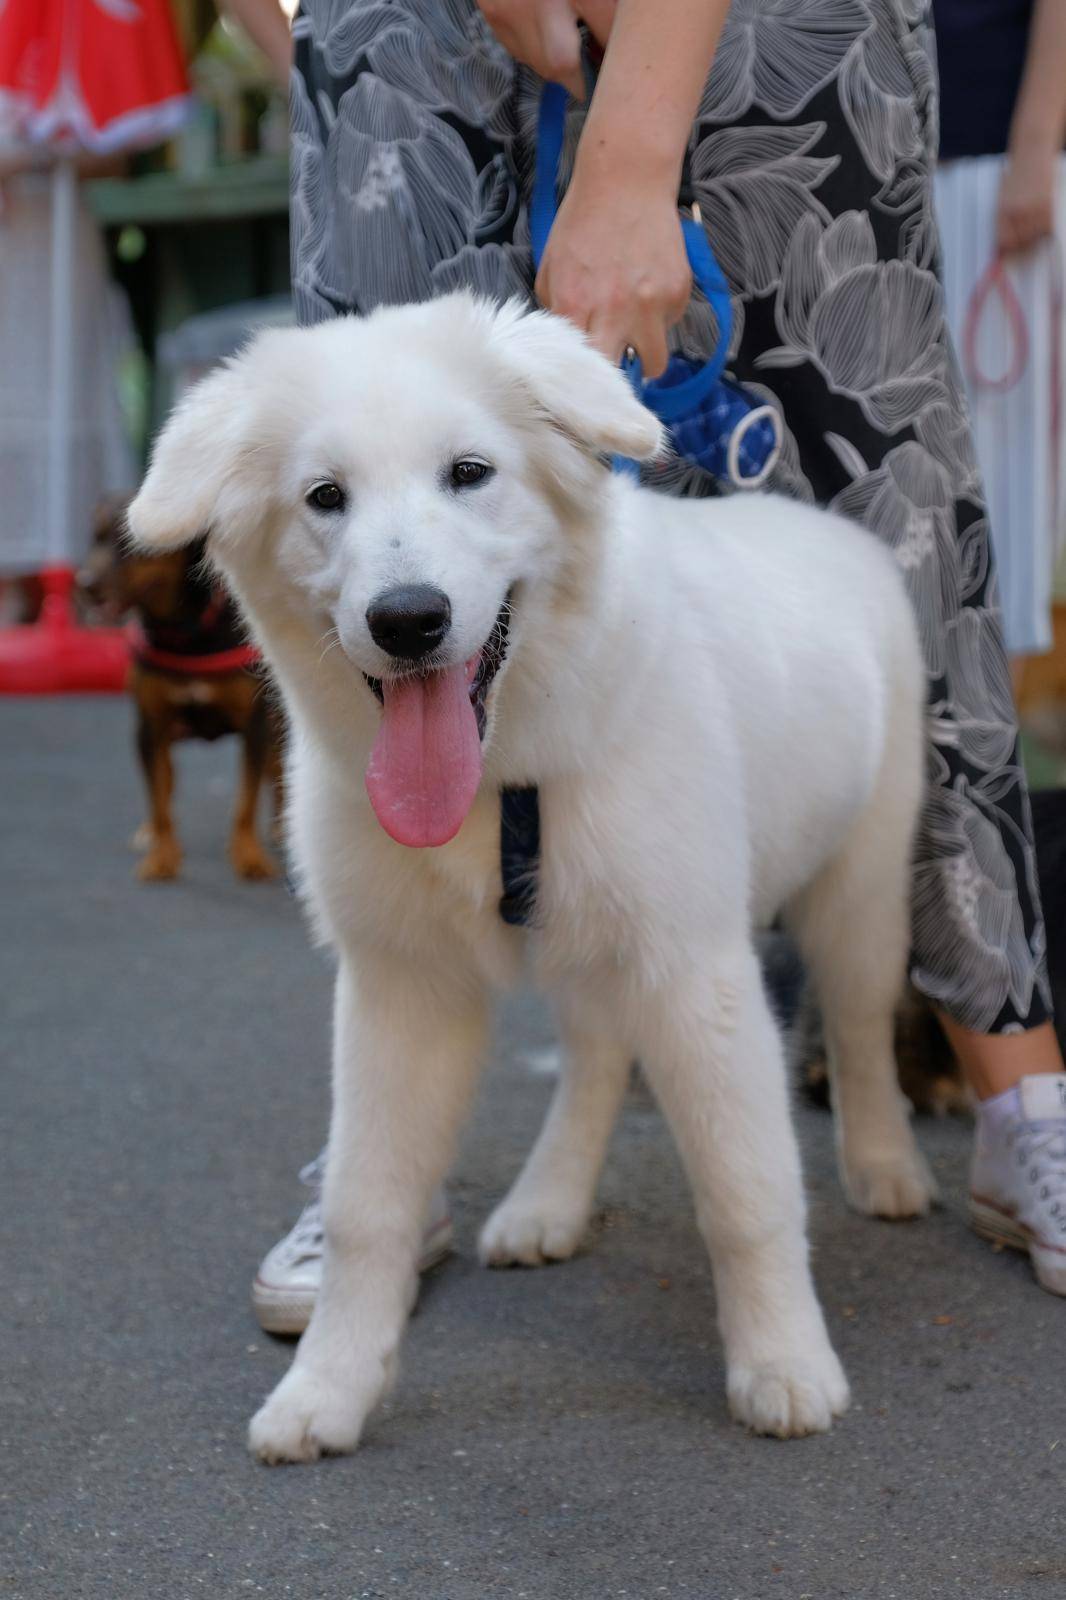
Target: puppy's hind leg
853,928
713,1056
406,1051
545,1215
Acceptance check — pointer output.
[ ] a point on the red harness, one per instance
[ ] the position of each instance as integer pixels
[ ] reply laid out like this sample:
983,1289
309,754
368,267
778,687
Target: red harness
195,664
214,664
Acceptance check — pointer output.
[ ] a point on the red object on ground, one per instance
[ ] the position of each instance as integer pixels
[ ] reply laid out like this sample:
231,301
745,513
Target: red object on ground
55,655
102,74
97,75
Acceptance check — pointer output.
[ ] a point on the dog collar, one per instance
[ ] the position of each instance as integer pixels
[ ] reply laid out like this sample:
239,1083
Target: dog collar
188,664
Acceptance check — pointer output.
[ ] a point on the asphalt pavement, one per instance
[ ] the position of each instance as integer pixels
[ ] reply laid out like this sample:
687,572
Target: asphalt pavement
555,1433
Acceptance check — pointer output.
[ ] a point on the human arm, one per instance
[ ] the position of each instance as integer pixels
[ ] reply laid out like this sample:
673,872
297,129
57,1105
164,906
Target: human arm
1025,207
268,27
615,261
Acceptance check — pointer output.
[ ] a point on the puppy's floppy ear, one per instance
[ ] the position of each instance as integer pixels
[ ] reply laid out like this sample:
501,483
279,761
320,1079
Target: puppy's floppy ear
581,391
193,477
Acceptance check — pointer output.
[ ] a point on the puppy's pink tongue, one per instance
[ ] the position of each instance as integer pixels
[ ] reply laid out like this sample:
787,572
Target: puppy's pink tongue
425,766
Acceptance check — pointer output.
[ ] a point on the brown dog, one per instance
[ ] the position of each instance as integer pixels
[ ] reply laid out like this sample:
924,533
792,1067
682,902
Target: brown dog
193,676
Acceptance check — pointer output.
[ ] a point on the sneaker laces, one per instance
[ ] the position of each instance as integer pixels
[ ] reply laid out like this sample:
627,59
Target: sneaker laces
306,1235
1041,1148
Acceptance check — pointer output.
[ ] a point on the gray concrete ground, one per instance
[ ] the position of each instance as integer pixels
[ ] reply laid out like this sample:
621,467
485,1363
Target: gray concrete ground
554,1434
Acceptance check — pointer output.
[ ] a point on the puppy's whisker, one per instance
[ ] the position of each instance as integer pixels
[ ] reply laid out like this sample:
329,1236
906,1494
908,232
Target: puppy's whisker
330,639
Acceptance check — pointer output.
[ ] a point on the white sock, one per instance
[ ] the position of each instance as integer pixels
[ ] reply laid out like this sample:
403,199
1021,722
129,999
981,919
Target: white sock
997,1112
1040,1097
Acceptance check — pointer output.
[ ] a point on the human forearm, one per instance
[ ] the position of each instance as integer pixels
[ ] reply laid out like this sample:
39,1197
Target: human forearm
1040,109
615,260
1025,211
268,27
658,57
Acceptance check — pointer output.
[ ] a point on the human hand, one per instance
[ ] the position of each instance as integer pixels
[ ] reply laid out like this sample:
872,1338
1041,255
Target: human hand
1025,211
615,265
542,34
615,260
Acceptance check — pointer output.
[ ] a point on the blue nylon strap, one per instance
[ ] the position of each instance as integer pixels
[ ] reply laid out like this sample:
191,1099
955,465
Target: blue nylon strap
551,128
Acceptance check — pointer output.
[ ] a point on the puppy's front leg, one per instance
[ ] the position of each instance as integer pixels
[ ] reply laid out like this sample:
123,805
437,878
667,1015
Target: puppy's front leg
406,1054
713,1056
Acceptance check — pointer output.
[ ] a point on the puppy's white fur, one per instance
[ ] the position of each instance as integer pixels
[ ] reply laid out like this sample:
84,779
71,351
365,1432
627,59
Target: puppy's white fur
720,702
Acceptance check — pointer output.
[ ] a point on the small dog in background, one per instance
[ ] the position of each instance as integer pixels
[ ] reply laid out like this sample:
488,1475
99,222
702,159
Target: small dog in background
929,1075
193,676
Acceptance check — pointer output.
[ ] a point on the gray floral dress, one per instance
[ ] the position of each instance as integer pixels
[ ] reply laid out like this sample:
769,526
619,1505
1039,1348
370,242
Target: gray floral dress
811,159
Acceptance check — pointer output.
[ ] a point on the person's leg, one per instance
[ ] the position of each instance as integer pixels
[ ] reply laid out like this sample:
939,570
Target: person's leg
1018,1171
996,1062
844,332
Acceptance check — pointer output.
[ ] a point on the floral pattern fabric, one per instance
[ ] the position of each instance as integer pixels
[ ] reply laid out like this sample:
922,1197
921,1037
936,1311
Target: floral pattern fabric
811,159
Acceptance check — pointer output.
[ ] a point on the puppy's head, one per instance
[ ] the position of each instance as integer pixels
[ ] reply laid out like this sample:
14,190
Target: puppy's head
405,480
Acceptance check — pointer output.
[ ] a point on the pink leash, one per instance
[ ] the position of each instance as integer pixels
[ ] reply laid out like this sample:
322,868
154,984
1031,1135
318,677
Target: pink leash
995,280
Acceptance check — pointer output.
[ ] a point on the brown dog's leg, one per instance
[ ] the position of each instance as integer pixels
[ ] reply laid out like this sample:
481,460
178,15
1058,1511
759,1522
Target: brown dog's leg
249,858
163,859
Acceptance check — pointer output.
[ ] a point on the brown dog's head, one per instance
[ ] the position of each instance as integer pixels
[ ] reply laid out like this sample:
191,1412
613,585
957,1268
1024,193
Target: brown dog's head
118,579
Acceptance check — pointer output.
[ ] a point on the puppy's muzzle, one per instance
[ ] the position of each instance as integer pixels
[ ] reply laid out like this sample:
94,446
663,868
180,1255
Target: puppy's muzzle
410,621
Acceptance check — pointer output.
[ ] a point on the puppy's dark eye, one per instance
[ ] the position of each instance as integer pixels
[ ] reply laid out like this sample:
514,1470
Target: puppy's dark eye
326,497
466,473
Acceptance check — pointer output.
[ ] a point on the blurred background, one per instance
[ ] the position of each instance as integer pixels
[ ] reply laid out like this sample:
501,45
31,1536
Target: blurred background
143,232
143,235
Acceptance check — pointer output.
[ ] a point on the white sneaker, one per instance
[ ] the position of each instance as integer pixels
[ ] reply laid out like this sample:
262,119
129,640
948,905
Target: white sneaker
285,1287
1018,1177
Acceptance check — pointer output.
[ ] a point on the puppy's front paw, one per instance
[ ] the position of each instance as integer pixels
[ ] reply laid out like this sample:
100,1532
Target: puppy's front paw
791,1395
890,1186
309,1415
528,1234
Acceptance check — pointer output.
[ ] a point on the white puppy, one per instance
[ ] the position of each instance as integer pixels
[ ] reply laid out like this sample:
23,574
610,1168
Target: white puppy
720,702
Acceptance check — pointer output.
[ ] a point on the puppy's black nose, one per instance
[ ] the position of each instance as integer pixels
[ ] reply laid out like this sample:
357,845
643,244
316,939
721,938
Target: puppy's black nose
410,620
